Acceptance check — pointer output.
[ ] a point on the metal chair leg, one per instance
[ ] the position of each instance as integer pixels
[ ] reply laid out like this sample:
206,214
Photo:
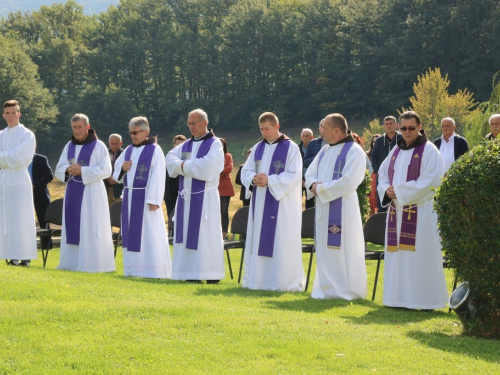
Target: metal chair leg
310,265
229,263
241,262
376,278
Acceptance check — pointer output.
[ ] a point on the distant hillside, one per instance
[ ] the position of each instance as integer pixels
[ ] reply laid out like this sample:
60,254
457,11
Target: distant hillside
90,6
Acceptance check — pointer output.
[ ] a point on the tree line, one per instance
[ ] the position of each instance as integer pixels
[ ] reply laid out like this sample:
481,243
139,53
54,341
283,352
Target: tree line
238,58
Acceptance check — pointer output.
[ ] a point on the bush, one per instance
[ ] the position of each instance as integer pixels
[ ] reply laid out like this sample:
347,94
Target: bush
363,192
468,205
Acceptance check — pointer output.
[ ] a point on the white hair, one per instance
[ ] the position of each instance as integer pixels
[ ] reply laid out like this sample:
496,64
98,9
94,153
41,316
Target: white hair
307,130
117,136
80,116
200,112
139,121
449,119
496,115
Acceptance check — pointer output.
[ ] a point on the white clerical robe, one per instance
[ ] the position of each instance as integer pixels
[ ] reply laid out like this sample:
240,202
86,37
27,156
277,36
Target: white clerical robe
95,252
283,271
207,262
340,273
17,217
415,279
153,261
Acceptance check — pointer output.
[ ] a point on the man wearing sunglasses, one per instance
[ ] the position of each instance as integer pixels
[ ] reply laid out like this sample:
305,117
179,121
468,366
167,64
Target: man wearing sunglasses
413,275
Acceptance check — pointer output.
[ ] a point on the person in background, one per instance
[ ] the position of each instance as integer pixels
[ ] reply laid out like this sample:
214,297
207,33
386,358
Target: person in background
450,145
172,183
41,175
305,137
226,190
373,192
361,143
243,199
113,189
494,122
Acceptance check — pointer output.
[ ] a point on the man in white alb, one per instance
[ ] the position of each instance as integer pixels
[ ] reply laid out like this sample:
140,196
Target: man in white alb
86,243
333,177
272,176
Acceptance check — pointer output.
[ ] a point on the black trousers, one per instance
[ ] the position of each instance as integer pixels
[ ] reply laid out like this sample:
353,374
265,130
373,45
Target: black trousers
224,212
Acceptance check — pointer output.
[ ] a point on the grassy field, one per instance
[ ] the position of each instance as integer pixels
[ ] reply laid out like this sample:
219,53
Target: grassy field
59,322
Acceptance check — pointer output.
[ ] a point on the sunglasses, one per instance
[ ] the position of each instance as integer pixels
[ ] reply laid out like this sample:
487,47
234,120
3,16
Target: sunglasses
136,132
410,128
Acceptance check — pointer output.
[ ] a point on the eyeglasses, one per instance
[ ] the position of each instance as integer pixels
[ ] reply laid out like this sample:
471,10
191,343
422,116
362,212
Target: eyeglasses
410,128
136,132
193,123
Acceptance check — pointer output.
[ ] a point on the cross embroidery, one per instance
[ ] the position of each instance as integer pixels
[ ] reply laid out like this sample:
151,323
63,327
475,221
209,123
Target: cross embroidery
392,213
277,166
334,229
141,168
409,210
338,173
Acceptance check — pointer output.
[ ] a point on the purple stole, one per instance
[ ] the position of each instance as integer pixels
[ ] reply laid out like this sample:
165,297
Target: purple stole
197,195
408,222
74,193
335,209
271,205
132,228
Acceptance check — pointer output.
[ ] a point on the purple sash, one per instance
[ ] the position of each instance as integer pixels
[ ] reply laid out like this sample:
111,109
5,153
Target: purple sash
271,205
197,195
132,229
408,222
74,193
335,210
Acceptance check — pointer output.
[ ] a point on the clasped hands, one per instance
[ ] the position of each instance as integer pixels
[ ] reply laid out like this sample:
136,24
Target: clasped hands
75,170
260,179
314,187
390,192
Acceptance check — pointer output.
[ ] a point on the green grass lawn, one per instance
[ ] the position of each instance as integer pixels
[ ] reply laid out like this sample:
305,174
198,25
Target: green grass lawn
68,322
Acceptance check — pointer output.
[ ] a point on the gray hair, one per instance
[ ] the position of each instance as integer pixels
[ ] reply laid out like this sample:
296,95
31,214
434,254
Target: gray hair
117,136
80,116
496,115
307,130
321,123
139,121
200,112
449,119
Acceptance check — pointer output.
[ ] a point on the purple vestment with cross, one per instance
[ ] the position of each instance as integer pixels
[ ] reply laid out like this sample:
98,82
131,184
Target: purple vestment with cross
408,230
196,195
271,205
74,193
335,208
132,224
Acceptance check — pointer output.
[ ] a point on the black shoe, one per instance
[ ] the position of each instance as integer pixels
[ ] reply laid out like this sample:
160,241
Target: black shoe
213,281
24,264
12,263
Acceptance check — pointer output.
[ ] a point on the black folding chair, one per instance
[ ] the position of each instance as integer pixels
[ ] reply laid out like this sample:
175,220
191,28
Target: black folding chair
307,231
115,213
238,226
374,232
53,215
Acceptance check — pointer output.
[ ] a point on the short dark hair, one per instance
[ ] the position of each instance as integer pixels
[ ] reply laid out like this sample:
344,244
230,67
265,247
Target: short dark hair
12,103
390,118
179,137
409,115
338,121
269,116
224,145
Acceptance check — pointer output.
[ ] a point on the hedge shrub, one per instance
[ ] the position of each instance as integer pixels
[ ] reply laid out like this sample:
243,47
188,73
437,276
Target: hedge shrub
468,205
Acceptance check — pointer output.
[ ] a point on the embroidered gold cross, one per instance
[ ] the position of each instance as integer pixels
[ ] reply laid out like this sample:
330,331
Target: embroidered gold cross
409,212
338,172
392,213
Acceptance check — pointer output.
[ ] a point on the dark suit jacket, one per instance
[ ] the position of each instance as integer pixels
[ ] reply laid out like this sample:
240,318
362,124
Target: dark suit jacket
117,188
460,145
42,175
312,150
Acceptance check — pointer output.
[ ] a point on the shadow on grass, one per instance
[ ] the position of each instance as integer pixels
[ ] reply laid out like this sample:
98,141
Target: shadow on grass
486,350
383,315
311,305
213,290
